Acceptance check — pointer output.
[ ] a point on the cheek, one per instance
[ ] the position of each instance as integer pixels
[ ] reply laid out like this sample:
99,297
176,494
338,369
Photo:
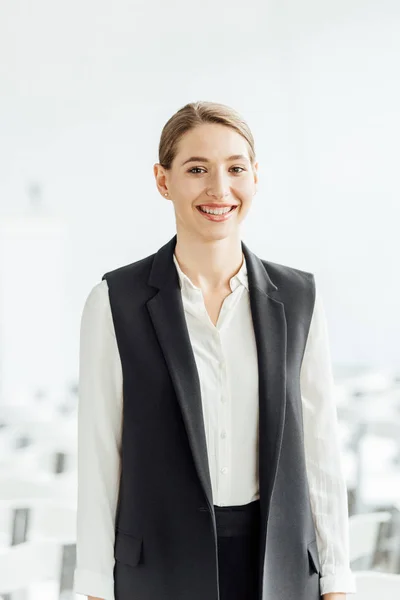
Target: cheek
185,204
244,187
245,195
246,205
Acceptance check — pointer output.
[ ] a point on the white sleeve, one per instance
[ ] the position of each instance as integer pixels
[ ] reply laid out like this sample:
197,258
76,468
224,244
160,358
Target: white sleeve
99,446
325,473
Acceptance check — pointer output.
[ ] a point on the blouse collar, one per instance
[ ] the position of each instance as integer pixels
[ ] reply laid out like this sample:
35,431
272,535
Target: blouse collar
239,279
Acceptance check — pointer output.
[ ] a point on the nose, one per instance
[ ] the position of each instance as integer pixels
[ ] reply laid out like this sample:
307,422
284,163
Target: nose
218,187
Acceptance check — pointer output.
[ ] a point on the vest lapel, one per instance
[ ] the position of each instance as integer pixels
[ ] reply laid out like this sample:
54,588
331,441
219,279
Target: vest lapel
167,314
270,330
168,317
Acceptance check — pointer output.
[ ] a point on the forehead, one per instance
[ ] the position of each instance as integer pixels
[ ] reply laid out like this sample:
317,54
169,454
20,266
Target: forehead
212,141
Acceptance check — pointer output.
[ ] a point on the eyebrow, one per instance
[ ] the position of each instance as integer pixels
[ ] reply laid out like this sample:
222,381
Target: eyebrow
204,159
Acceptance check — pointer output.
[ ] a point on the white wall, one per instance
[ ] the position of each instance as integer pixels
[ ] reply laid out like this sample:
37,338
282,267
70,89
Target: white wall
85,88
33,305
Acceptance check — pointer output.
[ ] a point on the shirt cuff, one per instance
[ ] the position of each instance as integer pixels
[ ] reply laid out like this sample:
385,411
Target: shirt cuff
94,584
342,581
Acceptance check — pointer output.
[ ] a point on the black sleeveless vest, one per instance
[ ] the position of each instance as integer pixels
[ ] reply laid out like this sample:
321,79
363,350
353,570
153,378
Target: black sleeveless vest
165,531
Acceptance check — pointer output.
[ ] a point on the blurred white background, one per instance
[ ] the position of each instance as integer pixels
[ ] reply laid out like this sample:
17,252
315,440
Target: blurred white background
85,89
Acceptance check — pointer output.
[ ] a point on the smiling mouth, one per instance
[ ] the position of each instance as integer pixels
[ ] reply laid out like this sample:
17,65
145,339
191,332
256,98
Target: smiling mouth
218,213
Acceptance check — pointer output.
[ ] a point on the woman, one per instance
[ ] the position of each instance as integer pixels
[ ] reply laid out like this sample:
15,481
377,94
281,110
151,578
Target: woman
209,463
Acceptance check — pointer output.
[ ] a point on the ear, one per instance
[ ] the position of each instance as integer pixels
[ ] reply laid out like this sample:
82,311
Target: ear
255,171
161,179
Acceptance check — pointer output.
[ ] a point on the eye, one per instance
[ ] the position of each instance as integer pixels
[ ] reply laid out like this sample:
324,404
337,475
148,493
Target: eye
201,169
193,168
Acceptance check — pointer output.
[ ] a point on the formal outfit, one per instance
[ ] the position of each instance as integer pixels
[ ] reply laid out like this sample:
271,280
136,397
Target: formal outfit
209,461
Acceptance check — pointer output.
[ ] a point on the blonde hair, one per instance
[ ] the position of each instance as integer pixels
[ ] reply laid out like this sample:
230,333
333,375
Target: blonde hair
196,113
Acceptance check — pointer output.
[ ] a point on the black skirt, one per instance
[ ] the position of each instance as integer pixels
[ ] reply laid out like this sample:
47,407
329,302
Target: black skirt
238,550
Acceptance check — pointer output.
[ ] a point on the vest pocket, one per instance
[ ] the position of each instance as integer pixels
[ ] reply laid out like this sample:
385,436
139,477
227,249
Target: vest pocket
127,548
312,550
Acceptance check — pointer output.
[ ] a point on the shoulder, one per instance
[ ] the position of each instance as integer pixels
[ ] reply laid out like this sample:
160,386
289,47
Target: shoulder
295,288
130,271
96,313
97,296
286,277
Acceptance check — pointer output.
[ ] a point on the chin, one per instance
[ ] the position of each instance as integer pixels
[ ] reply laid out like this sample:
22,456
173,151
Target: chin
218,235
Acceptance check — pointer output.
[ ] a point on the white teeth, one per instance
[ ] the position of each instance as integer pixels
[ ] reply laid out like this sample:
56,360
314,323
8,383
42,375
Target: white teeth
215,211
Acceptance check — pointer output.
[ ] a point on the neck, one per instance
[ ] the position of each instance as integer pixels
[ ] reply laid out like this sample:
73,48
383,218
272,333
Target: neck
209,264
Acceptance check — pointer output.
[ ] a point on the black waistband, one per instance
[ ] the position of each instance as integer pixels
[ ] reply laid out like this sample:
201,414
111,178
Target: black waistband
240,519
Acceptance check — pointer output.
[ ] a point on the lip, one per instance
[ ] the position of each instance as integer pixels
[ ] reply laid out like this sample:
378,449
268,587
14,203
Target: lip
217,218
218,205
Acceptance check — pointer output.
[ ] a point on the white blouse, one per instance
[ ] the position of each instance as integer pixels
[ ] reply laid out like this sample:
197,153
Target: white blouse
231,427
